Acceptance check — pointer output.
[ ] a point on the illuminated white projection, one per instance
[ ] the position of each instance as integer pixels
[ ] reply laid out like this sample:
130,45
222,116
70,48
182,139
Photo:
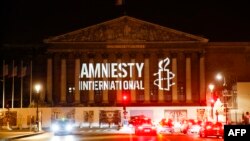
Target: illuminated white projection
121,76
164,71
113,71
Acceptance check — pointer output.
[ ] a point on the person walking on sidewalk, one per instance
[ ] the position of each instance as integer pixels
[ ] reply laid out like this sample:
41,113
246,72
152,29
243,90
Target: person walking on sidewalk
246,118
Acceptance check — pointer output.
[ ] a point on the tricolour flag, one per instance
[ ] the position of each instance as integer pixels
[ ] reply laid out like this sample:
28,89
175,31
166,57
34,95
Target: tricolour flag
6,71
13,71
118,2
23,71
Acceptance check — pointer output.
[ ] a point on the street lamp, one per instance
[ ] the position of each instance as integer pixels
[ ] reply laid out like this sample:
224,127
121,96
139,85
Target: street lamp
220,77
211,88
37,88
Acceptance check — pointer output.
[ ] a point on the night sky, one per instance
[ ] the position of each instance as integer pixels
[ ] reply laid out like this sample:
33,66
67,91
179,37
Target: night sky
31,21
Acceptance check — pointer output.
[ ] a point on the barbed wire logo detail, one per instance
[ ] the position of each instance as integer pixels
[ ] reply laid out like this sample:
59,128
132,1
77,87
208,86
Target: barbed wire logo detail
164,71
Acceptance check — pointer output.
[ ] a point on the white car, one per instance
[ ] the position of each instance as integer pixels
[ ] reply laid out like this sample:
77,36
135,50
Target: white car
62,126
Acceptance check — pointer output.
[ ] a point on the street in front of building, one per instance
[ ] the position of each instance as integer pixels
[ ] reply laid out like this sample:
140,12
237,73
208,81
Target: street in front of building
97,135
125,70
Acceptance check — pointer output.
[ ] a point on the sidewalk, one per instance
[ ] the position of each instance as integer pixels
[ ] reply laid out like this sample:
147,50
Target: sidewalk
6,135
122,130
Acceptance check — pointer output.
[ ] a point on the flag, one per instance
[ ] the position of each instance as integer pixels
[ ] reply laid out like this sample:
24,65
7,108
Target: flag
13,71
118,2
6,71
23,71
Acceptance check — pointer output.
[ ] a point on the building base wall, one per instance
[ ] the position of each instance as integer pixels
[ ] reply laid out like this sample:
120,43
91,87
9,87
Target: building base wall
93,116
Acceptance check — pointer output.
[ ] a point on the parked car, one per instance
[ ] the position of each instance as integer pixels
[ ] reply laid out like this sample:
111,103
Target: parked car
212,129
145,127
195,127
62,126
137,120
166,126
190,126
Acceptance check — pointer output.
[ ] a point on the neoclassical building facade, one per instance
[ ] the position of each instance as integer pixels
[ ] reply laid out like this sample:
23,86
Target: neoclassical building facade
59,64
127,40
157,68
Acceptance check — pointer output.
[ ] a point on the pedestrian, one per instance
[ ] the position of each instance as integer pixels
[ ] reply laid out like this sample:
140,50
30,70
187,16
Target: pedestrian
247,118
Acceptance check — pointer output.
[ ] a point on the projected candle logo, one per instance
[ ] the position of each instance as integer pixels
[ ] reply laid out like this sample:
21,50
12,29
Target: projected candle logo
164,71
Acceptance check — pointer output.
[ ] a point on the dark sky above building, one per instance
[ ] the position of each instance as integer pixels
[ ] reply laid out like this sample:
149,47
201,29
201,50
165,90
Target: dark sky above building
31,21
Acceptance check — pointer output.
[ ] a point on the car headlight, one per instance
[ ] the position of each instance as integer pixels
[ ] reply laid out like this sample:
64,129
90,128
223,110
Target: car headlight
55,127
69,127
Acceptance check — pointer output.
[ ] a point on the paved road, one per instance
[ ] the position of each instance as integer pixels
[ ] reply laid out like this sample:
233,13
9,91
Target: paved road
95,136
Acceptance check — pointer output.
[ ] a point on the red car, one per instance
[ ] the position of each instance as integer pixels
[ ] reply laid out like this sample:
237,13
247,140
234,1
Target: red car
212,129
137,120
190,125
166,126
145,127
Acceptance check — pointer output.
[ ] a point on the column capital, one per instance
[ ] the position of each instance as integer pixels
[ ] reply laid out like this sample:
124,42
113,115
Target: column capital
71,55
105,55
160,54
91,55
77,55
146,55
63,55
188,54
132,55
118,55
173,54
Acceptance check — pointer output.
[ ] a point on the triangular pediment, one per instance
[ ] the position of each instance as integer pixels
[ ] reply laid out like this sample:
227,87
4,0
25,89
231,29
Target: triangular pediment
125,29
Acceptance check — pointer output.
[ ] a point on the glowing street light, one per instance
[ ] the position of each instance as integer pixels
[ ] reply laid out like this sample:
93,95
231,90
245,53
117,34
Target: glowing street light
37,89
211,87
220,77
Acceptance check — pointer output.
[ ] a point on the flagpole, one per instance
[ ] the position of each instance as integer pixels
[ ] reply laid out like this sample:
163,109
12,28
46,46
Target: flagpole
3,83
13,84
21,83
31,82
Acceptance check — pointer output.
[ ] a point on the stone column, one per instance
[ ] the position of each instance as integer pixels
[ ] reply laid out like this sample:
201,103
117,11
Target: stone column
188,80
105,92
161,92
56,91
146,78
174,87
77,80
91,92
119,91
63,81
202,79
49,80
133,92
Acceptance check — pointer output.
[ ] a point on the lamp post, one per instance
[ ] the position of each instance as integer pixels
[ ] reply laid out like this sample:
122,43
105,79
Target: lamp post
37,88
211,88
220,77
217,114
